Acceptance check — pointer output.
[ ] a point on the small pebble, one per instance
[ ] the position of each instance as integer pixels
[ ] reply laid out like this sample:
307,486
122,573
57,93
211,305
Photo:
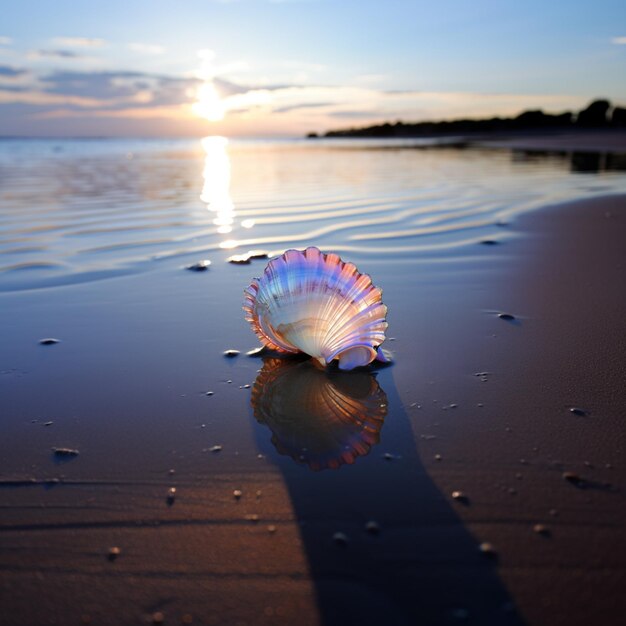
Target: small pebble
340,539
271,529
459,496
48,423
231,353
258,493
487,549
541,529
257,254
215,449
506,316
257,351
239,259
237,494
48,341
208,393
372,527
438,457
200,266
253,517
171,472
171,495
114,552
573,478
578,411
158,618
65,452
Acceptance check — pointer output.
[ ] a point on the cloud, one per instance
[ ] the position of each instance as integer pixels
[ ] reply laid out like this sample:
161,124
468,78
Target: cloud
11,72
118,90
79,42
146,48
619,41
5,41
361,115
54,54
14,88
303,105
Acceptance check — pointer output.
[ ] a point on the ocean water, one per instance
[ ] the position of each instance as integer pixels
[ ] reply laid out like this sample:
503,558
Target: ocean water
74,211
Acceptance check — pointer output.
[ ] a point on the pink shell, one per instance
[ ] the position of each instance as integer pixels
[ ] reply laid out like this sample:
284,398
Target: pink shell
311,302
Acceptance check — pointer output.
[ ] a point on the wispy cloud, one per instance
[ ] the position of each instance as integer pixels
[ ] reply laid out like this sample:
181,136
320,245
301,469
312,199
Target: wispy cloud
619,41
146,48
119,89
11,72
53,54
5,41
79,42
303,105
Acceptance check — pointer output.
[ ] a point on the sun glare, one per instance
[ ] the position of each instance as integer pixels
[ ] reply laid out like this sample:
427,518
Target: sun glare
216,189
209,105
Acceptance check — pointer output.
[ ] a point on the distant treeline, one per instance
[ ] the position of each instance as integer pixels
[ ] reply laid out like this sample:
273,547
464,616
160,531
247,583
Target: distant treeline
599,114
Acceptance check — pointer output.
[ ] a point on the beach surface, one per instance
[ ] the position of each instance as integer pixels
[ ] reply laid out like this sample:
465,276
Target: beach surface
601,141
279,516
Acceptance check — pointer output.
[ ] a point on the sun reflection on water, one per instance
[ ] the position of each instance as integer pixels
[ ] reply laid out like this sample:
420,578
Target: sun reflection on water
216,188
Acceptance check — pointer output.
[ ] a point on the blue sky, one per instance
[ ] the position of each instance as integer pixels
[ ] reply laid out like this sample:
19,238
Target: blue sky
262,67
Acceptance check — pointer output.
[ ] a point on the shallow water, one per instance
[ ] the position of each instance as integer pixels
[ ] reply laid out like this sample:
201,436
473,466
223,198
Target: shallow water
79,210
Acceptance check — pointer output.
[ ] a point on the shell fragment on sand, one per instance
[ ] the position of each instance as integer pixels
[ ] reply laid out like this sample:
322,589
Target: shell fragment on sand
200,266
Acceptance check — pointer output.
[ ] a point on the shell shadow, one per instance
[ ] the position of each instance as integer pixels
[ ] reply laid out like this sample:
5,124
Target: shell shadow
320,418
418,564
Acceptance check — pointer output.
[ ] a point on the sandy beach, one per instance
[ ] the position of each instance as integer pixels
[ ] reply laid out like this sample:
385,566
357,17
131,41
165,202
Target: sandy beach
362,527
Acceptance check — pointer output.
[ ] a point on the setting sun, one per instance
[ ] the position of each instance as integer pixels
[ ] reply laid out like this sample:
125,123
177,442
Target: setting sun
209,105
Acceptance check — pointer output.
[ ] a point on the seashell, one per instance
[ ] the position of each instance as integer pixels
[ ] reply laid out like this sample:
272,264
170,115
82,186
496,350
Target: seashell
311,302
322,419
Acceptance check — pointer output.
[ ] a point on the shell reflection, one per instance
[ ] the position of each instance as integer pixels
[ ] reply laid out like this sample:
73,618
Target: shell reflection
320,418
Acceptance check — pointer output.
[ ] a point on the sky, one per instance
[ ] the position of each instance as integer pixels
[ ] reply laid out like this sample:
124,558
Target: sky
287,67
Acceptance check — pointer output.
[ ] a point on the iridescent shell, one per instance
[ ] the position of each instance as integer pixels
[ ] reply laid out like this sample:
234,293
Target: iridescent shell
323,419
311,302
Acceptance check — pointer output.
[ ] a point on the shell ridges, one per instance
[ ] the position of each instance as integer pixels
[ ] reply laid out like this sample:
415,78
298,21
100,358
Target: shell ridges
312,302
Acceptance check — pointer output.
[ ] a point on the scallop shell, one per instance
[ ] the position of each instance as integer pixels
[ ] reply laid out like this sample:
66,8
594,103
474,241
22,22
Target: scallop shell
323,419
311,302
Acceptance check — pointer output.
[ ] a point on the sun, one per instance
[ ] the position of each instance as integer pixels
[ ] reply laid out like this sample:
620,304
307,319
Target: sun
209,104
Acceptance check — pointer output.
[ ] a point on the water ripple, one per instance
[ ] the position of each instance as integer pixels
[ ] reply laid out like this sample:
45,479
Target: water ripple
72,211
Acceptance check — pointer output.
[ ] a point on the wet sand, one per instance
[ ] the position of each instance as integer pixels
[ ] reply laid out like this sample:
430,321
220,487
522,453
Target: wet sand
474,403
601,141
